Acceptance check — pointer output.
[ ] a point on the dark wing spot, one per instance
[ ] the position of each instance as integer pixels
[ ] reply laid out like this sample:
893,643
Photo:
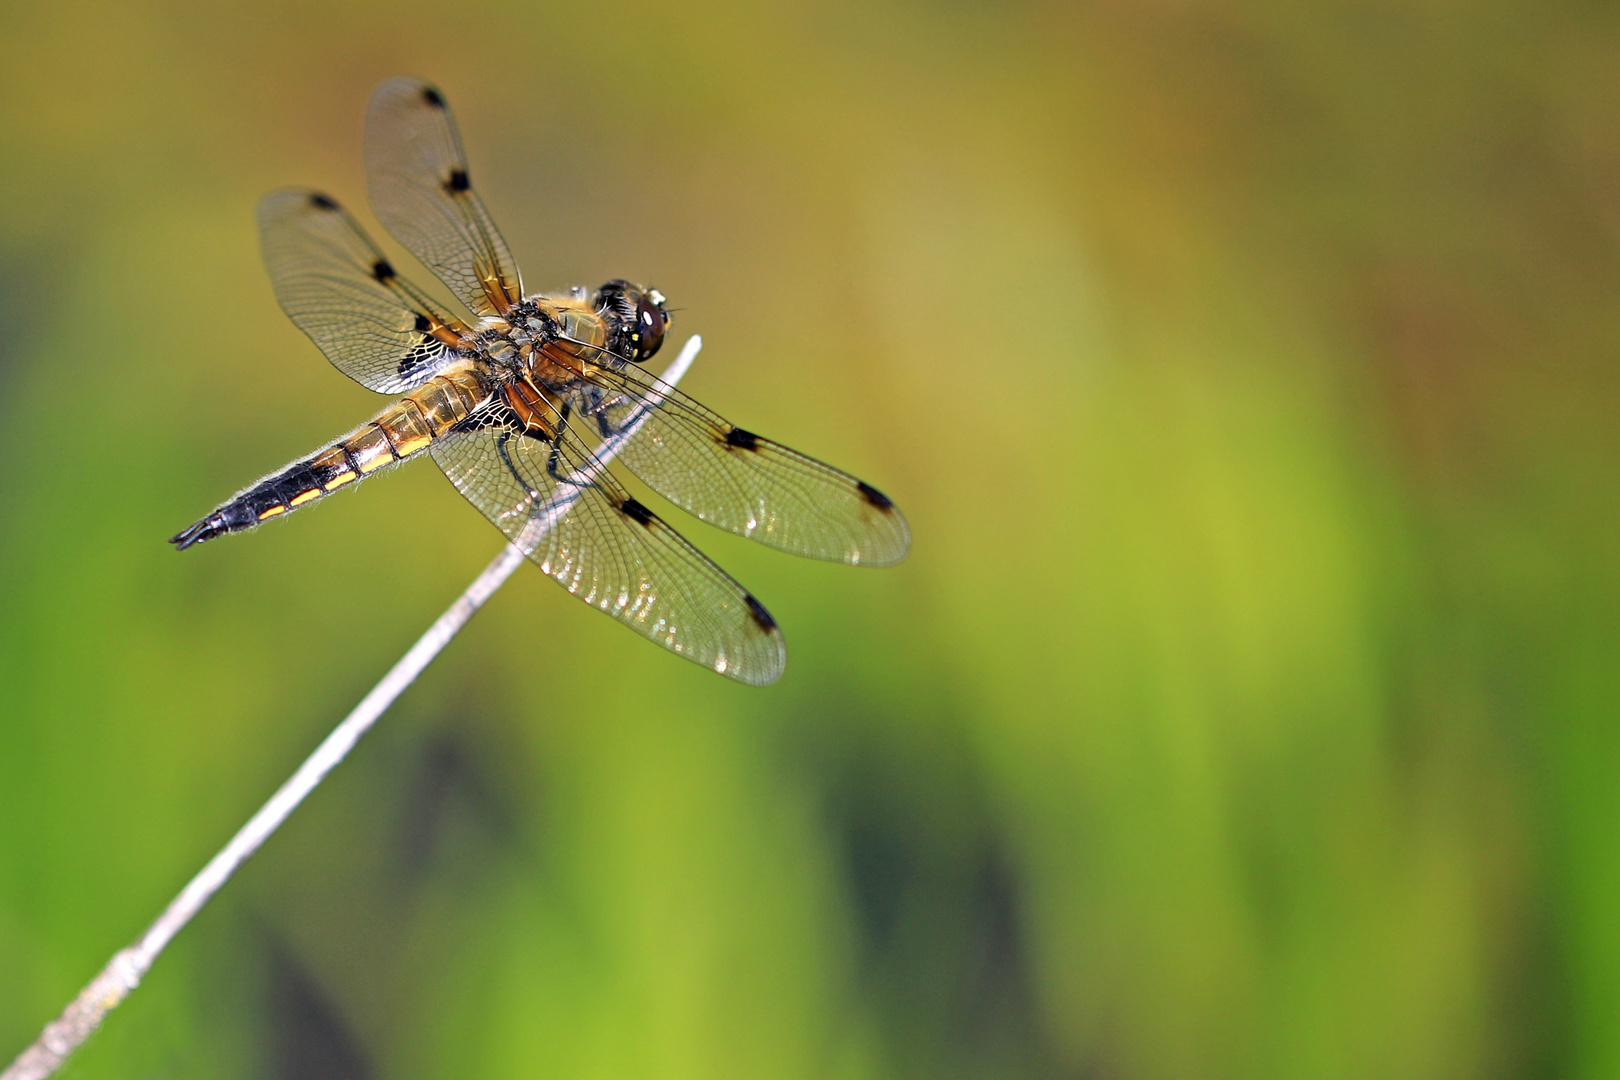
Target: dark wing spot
873,495
423,323
458,182
408,365
321,202
761,617
637,512
743,440
381,270
432,97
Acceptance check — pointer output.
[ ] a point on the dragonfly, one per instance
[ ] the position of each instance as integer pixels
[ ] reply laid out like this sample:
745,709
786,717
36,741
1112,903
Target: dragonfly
508,397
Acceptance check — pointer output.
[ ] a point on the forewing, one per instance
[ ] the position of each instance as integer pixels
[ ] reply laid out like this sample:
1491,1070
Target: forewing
338,288
588,535
421,193
742,482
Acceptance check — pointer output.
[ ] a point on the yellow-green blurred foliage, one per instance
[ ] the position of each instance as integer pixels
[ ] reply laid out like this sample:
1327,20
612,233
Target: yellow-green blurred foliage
1247,707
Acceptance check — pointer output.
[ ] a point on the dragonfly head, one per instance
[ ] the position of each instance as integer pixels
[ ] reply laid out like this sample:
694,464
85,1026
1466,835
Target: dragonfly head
637,316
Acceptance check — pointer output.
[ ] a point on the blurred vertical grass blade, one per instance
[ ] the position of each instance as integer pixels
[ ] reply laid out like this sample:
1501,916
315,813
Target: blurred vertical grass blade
125,970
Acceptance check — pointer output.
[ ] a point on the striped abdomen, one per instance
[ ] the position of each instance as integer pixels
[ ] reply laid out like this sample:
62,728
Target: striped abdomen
407,427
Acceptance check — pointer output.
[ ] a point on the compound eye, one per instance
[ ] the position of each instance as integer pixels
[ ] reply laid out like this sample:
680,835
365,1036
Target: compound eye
650,324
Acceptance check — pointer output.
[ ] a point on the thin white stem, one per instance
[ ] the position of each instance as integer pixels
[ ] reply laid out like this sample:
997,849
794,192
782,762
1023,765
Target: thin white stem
126,969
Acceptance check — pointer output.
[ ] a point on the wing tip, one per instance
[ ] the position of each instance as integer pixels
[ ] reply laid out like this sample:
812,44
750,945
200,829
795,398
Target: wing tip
885,547
285,204
764,652
759,674
898,545
761,680
405,88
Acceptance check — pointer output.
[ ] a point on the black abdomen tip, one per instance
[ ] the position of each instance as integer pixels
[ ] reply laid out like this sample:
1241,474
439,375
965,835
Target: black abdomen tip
206,529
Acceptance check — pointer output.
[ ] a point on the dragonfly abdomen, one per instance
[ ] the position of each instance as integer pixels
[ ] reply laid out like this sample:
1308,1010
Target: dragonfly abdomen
405,428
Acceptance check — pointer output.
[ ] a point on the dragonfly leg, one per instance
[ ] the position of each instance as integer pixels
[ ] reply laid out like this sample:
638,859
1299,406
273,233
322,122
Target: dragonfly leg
506,459
554,460
598,408
555,456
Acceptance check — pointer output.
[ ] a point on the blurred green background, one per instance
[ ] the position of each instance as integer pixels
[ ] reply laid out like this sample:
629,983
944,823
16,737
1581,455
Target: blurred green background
1246,708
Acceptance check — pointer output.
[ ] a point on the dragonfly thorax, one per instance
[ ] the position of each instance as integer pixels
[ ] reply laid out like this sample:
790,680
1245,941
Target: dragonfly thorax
621,322
516,342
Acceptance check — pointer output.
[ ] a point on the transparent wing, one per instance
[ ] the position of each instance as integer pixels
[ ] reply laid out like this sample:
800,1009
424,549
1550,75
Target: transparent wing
742,482
421,194
338,288
593,539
